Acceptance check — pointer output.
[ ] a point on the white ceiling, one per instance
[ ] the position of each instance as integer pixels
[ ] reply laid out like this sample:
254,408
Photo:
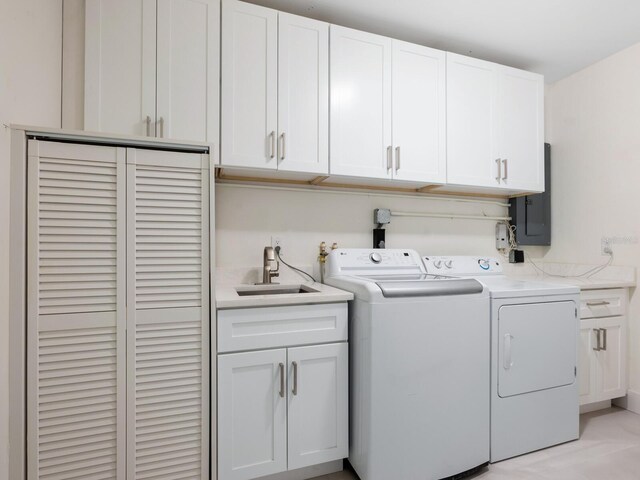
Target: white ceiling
551,37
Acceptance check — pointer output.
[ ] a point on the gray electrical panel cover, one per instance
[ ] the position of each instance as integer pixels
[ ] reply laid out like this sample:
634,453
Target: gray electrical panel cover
532,214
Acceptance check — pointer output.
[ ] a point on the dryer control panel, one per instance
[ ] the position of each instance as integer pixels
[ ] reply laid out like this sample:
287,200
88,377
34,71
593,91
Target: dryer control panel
462,265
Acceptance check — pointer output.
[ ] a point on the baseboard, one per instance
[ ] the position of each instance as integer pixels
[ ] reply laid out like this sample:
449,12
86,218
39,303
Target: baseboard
631,402
307,472
592,407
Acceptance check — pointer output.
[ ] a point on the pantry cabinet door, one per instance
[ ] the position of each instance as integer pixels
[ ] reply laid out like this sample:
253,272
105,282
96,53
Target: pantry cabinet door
360,108
318,404
249,85
189,69
252,414
303,94
521,129
167,314
76,381
120,67
419,113
472,158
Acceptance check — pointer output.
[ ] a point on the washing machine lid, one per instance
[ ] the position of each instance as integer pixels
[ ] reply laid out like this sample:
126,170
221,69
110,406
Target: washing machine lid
424,285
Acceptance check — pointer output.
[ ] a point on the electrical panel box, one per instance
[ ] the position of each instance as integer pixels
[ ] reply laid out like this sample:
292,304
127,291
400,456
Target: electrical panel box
532,214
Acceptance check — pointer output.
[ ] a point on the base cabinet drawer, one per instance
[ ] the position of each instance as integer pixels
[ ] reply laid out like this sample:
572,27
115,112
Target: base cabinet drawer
603,303
272,327
282,409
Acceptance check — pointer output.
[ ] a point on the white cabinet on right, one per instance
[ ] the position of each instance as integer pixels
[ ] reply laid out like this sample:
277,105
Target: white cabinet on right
495,126
603,345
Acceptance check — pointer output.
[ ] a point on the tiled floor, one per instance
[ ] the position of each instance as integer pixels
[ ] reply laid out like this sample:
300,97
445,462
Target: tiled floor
608,449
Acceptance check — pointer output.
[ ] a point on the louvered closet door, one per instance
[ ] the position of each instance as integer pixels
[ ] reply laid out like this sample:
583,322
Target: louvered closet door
167,315
76,311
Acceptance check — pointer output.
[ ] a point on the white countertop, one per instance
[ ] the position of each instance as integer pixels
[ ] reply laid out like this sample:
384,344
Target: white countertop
582,283
227,297
611,276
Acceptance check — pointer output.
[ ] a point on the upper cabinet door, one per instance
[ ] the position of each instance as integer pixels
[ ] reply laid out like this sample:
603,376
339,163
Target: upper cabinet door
249,85
419,113
303,94
120,66
471,110
521,129
360,104
188,69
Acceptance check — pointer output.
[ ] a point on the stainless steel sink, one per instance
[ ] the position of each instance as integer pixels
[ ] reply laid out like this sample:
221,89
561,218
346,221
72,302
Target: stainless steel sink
274,290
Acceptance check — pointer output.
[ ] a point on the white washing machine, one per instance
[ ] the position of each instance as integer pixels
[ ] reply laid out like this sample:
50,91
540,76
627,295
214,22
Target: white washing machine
534,356
419,360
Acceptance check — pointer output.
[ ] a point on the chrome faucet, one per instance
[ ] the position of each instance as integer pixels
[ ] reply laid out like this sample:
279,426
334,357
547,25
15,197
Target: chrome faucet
268,257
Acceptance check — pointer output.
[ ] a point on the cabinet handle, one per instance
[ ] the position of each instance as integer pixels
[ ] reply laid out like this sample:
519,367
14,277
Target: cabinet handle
597,348
282,151
508,363
397,158
295,378
161,127
499,169
504,162
281,379
604,339
598,304
148,122
389,161
272,136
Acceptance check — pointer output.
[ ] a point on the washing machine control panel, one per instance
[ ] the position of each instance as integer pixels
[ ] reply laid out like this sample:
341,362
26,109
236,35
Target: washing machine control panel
362,261
462,265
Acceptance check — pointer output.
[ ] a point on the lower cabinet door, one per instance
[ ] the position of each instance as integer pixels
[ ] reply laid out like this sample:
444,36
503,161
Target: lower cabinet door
612,357
252,414
587,367
318,404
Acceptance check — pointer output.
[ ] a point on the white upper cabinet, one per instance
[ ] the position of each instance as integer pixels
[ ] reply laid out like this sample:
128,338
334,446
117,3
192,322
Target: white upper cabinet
419,113
249,85
303,94
495,126
360,104
188,69
151,68
275,89
120,57
471,111
388,108
521,129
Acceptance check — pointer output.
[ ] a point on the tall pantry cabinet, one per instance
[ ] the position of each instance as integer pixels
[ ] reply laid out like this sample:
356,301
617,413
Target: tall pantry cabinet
117,312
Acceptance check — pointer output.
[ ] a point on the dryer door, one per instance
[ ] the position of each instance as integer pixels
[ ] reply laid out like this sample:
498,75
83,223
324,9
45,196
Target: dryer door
537,346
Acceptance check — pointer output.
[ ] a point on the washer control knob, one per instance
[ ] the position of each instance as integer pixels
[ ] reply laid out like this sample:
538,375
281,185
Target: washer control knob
448,263
437,263
484,263
375,257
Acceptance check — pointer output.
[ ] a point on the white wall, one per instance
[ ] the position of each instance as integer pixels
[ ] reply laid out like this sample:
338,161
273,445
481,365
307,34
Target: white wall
593,122
30,56
247,217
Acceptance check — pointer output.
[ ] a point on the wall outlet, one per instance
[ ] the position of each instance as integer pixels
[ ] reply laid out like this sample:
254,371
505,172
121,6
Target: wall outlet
605,246
502,240
276,241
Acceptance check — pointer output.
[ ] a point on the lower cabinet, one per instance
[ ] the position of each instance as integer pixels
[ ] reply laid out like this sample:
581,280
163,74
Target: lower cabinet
603,345
281,409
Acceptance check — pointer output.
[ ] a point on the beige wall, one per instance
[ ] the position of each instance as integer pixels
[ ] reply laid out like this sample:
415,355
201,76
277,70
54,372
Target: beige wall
247,217
593,121
30,58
